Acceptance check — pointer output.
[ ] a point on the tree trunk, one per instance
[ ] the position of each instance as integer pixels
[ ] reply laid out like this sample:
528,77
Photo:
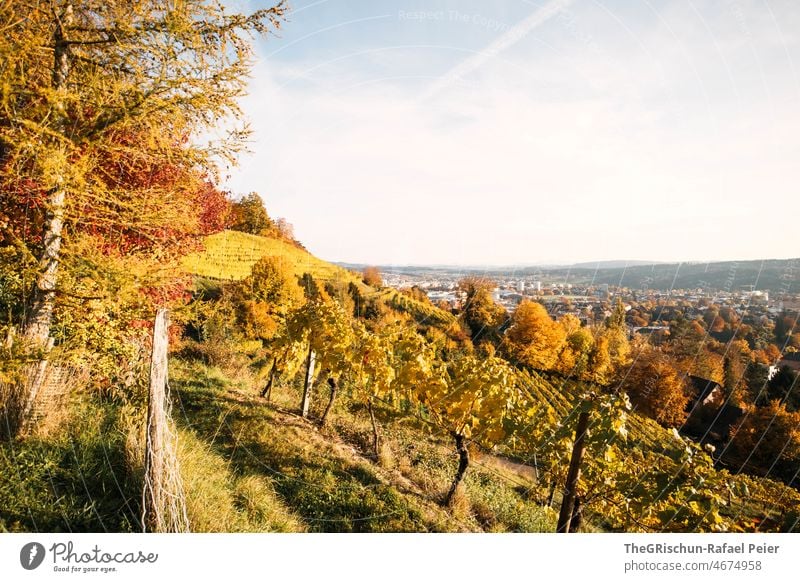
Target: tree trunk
552,494
36,332
310,363
577,515
40,316
267,391
376,438
463,464
574,474
334,388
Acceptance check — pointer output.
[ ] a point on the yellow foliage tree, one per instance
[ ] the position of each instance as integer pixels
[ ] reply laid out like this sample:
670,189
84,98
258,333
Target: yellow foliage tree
656,388
533,339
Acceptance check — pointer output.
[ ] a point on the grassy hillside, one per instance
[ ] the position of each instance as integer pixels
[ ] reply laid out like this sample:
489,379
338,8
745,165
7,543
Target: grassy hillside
248,465
326,477
230,255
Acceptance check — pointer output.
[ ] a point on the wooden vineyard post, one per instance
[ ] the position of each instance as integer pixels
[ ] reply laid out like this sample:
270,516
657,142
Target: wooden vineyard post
164,506
334,389
574,474
309,384
267,391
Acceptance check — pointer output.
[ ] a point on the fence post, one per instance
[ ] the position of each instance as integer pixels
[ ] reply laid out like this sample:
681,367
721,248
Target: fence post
164,506
574,474
309,384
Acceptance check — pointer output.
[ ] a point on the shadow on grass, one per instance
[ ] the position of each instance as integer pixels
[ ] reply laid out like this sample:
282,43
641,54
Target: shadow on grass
330,492
77,482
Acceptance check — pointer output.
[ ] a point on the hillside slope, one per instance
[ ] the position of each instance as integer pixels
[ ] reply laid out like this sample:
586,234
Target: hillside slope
230,256
327,479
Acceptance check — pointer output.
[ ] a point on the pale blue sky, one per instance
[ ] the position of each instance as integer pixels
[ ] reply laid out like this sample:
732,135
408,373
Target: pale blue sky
511,132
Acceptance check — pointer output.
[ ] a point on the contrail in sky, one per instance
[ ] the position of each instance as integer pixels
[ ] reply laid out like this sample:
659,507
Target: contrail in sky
510,38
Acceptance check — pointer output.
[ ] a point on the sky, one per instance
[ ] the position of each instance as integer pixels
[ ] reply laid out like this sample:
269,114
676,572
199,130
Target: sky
517,132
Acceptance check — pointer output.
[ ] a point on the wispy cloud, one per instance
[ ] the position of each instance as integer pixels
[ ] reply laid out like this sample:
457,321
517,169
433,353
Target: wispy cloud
508,39
646,149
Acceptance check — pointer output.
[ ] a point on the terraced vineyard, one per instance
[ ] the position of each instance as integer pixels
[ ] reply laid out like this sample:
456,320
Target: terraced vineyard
422,312
230,256
643,432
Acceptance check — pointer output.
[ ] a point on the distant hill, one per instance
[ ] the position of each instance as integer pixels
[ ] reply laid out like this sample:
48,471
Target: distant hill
609,264
772,275
776,275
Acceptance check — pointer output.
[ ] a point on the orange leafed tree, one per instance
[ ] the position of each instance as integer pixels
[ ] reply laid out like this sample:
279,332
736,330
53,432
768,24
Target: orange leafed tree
767,440
534,339
101,105
372,277
656,388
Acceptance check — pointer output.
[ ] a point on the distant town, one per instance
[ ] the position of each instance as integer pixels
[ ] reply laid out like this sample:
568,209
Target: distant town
739,311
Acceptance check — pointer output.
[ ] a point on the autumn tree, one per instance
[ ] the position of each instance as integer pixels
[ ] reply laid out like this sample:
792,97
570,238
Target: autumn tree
756,377
656,388
483,317
618,315
785,325
615,332
372,277
250,215
769,355
687,339
767,440
736,359
533,338
600,369
266,297
135,83
111,69
573,359
286,230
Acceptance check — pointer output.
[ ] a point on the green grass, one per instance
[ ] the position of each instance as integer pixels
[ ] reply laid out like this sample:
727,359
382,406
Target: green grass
75,481
219,500
88,479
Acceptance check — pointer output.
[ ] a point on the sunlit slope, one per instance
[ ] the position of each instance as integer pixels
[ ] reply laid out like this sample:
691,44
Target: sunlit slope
230,255
423,312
